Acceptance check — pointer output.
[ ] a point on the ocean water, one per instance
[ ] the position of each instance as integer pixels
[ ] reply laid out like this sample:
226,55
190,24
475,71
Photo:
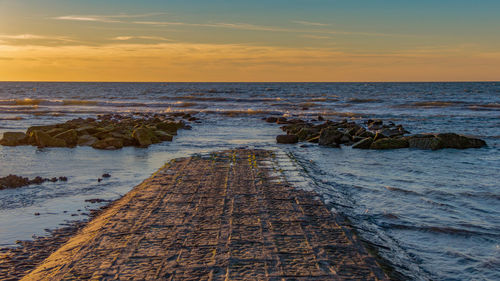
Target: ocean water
435,215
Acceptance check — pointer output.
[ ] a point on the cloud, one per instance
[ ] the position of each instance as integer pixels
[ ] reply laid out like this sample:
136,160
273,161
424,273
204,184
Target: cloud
5,38
126,38
310,23
128,19
118,18
87,18
311,36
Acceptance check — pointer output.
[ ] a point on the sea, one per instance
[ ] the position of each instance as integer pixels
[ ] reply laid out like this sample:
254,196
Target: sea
432,215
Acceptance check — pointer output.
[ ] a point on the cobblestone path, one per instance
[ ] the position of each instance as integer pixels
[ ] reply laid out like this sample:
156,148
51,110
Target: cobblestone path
224,216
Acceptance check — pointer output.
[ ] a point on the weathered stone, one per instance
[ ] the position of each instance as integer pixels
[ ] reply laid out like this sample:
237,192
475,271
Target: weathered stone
282,120
162,136
14,138
42,139
271,119
109,143
363,144
379,136
39,128
391,132
169,127
345,138
451,140
86,140
314,139
86,130
142,136
307,133
126,137
424,141
69,136
389,143
287,139
55,131
330,136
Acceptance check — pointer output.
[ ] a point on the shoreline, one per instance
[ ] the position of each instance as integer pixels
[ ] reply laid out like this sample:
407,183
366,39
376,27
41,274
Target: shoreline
238,233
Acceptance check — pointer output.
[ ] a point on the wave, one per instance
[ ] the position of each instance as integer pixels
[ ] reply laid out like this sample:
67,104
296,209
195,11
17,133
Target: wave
440,230
430,104
357,100
400,190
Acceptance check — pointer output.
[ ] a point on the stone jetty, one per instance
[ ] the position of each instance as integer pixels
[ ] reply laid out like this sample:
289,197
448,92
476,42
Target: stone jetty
223,216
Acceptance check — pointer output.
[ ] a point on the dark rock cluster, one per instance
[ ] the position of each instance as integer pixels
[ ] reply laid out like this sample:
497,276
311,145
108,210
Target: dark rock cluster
373,134
13,181
105,132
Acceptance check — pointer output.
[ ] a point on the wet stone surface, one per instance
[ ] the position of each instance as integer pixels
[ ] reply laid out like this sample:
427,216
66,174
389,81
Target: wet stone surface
218,217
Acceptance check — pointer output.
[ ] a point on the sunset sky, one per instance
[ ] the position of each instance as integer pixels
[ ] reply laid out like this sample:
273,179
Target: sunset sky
309,40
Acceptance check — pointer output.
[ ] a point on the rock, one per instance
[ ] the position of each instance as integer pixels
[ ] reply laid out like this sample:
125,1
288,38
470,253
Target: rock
63,179
109,144
379,136
282,120
86,130
86,140
424,141
307,133
169,127
69,136
143,136
42,139
55,131
106,175
161,135
451,140
314,139
389,143
38,128
287,139
320,118
394,132
271,119
330,136
345,138
127,138
14,138
363,144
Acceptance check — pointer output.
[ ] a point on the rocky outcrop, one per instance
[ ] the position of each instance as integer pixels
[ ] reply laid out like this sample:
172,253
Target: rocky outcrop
389,143
43,139
69,136
105,132
108,144
330,136
363,144
374,134
445,140
13,181
287,139
14,139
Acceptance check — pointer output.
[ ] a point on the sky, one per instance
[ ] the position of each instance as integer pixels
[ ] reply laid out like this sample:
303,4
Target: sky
249,41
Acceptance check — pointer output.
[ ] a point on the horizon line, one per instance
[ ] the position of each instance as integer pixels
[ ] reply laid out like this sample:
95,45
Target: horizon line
248,82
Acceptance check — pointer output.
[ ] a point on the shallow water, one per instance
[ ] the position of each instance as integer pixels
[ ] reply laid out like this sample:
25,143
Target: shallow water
433,214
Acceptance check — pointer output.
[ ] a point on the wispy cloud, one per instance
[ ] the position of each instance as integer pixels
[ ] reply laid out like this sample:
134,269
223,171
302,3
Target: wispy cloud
87,18
118,18
311,36
309,23
126,38
309,27
27,36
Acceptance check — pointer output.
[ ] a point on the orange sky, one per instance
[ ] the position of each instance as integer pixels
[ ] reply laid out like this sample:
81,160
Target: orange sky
68,46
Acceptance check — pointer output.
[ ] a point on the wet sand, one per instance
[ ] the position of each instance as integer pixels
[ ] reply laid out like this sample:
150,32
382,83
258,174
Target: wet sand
225,216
